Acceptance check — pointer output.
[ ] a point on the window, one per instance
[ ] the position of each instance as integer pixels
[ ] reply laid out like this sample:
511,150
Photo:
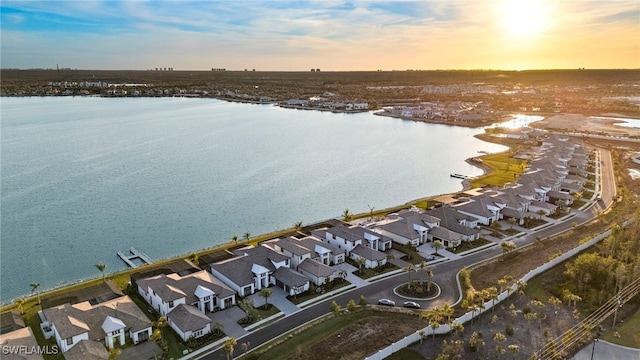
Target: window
116,332
70,341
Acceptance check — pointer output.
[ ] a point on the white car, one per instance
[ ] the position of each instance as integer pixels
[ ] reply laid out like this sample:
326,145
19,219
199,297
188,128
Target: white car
411,304
386,302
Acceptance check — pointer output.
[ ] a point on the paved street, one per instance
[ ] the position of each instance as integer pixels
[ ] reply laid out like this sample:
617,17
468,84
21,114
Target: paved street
445,272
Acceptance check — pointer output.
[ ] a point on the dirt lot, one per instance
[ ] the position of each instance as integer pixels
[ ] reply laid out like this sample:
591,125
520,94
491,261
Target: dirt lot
581,123
357,340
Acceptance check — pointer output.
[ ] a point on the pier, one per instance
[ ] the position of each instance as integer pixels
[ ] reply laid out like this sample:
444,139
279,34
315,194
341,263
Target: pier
135,254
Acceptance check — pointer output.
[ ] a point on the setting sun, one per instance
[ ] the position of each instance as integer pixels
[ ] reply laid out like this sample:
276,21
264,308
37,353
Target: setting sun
524,18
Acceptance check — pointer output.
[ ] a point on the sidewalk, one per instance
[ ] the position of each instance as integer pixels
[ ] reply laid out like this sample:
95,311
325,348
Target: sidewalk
358,282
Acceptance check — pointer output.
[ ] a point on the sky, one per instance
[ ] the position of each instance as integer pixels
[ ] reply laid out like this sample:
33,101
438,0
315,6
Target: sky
332,35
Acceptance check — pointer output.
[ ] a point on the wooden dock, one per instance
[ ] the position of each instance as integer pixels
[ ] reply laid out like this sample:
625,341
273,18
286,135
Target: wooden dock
135,254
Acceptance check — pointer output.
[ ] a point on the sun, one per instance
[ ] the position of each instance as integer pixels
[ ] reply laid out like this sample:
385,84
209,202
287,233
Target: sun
524,18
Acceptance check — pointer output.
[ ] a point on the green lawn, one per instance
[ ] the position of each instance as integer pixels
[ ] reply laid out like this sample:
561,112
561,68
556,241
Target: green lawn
503,170
469,245
629,333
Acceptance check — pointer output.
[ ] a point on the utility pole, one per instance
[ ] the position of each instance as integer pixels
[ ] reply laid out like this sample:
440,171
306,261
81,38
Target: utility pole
593,348
615,314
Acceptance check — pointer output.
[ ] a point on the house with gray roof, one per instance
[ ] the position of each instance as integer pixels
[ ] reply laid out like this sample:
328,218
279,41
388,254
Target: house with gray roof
201,290
457,222
18,344
250,270
487,212
408,227
317,272
291,281
372,258
188,321
87,350
109,322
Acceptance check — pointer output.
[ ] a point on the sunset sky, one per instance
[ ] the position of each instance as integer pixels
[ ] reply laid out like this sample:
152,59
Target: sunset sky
331,35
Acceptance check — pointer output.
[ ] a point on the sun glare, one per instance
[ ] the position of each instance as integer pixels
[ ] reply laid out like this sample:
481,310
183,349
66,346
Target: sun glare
523,18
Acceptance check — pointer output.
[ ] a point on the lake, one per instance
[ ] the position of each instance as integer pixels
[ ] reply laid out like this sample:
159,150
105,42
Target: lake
85,177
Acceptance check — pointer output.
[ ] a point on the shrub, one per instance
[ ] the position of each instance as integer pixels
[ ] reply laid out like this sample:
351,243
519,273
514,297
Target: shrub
508,330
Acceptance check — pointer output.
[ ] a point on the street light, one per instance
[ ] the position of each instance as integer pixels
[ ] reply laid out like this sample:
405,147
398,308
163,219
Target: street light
593,348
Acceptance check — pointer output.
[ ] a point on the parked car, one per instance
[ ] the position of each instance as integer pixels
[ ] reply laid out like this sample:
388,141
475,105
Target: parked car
386,302
411,304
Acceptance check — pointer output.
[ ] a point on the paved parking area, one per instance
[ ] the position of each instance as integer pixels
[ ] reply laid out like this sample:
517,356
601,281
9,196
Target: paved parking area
229,320
278,298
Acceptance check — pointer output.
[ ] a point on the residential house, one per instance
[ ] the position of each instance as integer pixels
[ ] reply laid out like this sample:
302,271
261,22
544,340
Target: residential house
110,322
408,227
317,272
251,270
481,208
372,258
201,290
20,344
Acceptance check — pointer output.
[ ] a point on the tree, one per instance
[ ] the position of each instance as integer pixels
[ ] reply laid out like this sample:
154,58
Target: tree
370,211
556,303
363,300
360,261
515,349
499,338
20,302
512,221
114,353
234,239
448,311
229,346
34,287
389,257
101,266
342,273
266,294
507,246
161,323
346,214
335,307
247,236
408,269
351,305
437,245
297,225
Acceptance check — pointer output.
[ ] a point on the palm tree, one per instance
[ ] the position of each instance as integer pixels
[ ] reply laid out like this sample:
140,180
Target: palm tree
20,302
540,213
266,294
408,270
346,214
234,239
34,287
360,261
370,211
101,266
507,246
114,353
247,236
389,257
342,273
437,245
297,226
448,311
229,346
217,327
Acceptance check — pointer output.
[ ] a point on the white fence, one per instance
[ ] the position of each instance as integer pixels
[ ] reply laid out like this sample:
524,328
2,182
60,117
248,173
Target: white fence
443,329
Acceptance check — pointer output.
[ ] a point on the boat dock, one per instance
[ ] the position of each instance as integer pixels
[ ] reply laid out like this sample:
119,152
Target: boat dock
135,254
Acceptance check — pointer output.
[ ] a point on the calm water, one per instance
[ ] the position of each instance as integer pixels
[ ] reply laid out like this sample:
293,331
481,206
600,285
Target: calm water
83,178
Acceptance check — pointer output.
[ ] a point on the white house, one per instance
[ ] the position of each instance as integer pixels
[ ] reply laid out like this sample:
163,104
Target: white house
110,322
251,270
187,321
200,289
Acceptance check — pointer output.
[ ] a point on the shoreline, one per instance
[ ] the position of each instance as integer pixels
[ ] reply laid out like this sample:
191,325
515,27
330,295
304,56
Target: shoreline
69,284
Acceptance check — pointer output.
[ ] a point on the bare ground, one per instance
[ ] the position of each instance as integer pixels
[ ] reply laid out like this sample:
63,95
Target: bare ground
361,338
581,123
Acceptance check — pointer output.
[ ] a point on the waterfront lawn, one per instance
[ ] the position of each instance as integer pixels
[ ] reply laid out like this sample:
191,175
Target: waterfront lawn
503,169
469,245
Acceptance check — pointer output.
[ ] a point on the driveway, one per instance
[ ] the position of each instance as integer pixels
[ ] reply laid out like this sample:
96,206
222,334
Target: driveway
278,299
229,320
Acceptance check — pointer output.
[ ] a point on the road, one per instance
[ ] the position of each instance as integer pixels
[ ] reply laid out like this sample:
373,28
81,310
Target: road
446,272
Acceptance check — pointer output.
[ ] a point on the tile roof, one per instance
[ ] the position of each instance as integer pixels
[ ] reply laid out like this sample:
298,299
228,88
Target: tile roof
71,320
290,277
188,318
368,253
316,268
87,350
173,287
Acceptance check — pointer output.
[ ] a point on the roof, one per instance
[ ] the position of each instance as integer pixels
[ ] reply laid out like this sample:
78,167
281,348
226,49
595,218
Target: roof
188,318
315,268
71,320
239,269
20,337
173,286
289,277
368,253
112,324
10,321
445,234
95,294
513,213
87,350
